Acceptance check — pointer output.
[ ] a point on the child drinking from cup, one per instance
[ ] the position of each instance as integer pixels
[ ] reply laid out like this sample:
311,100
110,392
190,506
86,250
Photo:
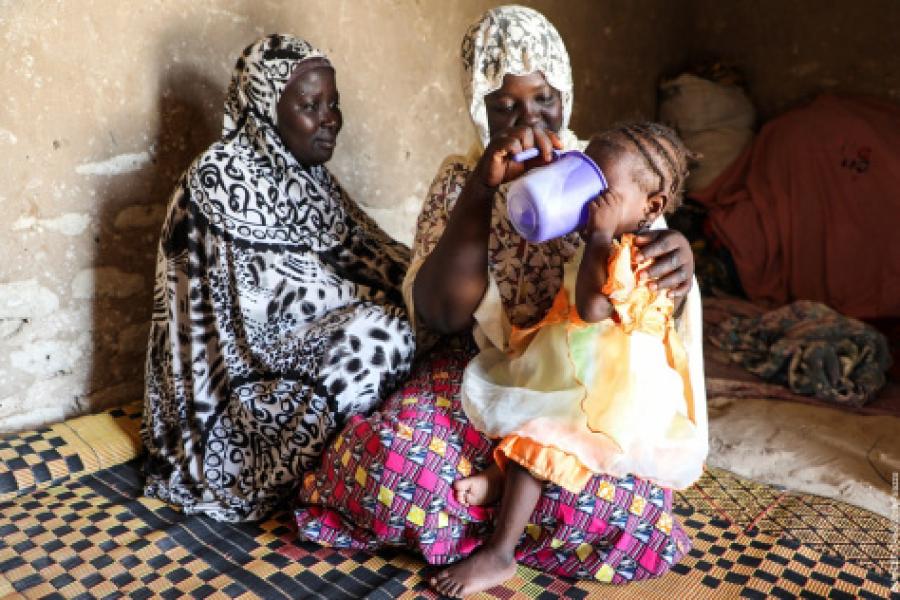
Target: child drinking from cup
601,384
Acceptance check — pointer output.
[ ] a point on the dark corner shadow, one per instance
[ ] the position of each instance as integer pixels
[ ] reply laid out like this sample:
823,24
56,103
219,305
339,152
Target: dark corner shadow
131,209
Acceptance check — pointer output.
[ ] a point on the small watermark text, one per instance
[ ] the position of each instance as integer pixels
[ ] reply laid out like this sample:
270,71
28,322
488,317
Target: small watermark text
895,534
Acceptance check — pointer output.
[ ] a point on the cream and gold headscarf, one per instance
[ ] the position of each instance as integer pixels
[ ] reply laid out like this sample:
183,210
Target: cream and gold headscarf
513,40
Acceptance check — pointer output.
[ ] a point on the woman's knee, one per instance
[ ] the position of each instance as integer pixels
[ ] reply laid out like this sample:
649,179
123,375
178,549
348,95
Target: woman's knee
377,339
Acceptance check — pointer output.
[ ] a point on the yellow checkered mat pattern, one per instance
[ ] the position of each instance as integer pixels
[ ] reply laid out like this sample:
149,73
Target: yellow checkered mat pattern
38,459
85,532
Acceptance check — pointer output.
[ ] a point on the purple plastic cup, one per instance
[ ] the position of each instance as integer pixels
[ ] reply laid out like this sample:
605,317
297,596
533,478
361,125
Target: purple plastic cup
551,201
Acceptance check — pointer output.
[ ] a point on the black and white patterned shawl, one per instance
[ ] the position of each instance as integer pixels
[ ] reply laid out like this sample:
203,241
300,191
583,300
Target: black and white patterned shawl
276,314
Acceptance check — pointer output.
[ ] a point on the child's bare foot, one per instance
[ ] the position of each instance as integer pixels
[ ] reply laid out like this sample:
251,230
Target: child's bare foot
480,489
481,571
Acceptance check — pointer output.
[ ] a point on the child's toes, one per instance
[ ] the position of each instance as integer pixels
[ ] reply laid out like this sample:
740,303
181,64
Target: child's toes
450,587
461,492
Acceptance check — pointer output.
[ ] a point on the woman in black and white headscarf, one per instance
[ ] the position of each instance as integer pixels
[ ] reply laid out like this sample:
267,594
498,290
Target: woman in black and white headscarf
277,309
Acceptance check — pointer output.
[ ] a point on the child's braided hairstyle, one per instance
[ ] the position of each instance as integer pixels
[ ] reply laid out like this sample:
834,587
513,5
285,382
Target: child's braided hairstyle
663,151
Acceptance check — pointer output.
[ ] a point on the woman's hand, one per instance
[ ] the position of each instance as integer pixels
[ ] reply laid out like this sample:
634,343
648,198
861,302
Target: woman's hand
672,268
497,166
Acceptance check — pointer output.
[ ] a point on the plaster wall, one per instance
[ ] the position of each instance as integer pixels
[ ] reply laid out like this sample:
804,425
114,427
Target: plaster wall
791,50
106,102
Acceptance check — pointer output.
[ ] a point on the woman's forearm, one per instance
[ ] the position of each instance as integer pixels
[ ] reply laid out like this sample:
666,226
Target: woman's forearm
452,281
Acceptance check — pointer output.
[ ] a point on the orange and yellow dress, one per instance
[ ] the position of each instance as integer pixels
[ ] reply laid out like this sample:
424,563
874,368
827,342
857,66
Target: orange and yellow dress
570,399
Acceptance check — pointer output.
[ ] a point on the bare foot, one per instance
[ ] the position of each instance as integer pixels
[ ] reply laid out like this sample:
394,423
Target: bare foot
481,571
480,489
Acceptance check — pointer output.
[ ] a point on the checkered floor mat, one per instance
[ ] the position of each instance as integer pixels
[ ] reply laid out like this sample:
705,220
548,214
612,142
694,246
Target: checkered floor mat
826,525
68,536
51,455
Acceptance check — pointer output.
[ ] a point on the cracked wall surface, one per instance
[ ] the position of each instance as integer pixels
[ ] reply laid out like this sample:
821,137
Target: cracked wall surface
105,103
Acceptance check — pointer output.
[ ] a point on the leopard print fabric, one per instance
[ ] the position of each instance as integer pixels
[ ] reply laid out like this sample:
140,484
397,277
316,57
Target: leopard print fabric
276,315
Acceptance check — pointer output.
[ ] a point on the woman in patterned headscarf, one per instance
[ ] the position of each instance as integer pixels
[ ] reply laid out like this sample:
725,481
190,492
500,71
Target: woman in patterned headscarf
395,470
277,311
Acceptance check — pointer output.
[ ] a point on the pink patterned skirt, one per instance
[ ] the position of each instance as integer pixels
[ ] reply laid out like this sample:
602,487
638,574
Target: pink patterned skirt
386,480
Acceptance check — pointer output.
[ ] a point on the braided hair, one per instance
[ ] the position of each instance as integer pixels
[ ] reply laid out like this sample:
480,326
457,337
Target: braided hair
664,154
